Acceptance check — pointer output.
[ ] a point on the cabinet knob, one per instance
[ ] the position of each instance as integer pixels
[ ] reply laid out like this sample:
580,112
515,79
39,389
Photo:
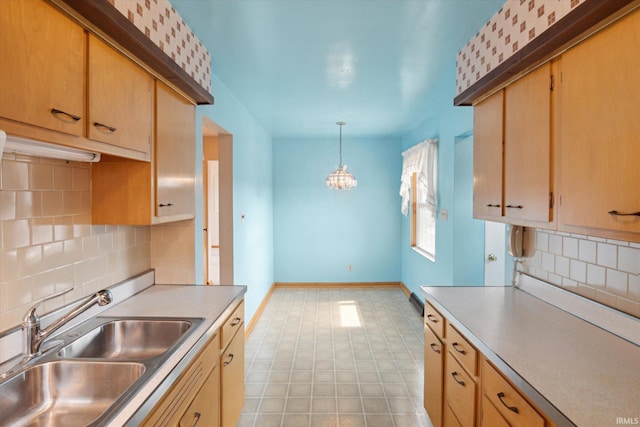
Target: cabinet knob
57,112
511,408
616,213
492,257
454,374
110,129
230,359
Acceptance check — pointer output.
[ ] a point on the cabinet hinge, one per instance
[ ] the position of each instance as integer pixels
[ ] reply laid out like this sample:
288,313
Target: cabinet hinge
552,83
551,200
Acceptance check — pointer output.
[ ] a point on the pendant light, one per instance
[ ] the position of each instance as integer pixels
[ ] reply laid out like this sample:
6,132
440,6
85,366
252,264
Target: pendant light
340,179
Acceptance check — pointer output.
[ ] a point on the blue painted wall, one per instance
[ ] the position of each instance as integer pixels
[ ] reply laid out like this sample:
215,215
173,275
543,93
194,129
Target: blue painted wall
319,232
252,195
445,122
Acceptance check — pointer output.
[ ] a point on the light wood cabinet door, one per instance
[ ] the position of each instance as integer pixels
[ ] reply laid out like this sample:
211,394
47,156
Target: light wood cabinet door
527,158
460,392
490,415
43,67
175,158
488,126
232,380
205,407
433,371
120,100
598,144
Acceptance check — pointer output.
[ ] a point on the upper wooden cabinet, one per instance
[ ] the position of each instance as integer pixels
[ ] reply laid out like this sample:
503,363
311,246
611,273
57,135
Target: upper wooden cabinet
512,152
488,128
175,154
527,153
599,148
43,67
120,100
126,191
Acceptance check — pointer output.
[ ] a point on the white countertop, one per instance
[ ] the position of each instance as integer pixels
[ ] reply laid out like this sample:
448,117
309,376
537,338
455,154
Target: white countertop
212,303
576,372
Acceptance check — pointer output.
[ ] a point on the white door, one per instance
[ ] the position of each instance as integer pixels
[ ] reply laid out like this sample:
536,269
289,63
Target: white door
494,254
213,223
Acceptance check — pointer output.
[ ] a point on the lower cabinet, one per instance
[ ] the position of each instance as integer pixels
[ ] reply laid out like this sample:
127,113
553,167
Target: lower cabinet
198,386
205,407
232,378
463,389
210,391
433,371
459,392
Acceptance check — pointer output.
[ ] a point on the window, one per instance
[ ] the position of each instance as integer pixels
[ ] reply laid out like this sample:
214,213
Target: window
423,221
418,185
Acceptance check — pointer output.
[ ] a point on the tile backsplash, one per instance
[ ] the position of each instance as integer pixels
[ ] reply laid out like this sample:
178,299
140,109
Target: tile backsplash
48,243
604,270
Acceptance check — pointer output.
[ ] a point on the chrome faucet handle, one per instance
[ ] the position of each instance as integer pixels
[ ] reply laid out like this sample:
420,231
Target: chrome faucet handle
31,316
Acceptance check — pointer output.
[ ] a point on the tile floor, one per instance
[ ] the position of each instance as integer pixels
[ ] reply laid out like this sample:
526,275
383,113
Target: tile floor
335,357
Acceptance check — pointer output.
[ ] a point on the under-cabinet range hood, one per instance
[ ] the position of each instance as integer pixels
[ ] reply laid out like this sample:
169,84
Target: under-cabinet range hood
29,147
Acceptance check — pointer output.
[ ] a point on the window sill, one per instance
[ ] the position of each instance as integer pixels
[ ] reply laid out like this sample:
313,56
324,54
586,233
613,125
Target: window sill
431,257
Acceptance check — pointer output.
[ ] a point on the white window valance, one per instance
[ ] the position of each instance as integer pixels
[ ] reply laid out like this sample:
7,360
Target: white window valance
422,160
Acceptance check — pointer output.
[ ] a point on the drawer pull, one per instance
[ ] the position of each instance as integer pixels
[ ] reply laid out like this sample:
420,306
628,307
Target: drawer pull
457,348
434,347
432,318
227,362
454,374
236,321
515,206
73,117
103,126
492,206
616,213
162,205
197,416
511,408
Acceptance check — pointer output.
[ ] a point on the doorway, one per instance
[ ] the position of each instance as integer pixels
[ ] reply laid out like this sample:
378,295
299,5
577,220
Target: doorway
217,198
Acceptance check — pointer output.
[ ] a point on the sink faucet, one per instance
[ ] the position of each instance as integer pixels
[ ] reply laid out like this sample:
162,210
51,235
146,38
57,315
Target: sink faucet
34,336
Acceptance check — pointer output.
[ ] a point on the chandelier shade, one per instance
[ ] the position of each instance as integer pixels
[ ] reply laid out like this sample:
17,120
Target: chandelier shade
340,179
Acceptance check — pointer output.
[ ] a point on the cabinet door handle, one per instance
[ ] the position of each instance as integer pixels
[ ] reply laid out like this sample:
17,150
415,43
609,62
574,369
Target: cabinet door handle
434,347
57,112
197,416
103,126
230,359
492,206
165,205
457,348
511,408
515,206
432,318
616,213
454,374
236,321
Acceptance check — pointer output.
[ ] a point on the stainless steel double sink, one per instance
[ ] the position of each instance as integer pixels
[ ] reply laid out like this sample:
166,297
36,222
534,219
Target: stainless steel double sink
93,371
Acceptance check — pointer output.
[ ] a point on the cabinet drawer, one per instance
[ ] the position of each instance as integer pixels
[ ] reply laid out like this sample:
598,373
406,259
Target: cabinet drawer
205,408
232,382
462,349
490,415
434,320
460,392
233,323
433,369
450,420
507,400
177,400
